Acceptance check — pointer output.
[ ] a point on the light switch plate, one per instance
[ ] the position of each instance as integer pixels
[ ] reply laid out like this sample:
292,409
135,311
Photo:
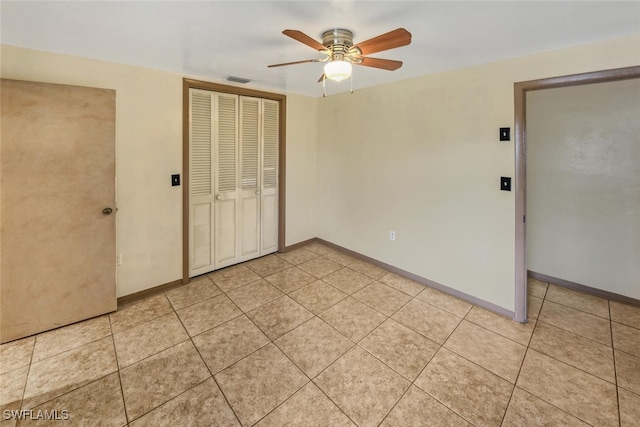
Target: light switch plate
505,134
505,183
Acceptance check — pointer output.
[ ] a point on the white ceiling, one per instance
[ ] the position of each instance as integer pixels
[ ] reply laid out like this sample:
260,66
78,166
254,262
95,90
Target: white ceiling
214,39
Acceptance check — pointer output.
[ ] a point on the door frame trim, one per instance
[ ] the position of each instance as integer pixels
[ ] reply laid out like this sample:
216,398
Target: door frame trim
282,126
520,93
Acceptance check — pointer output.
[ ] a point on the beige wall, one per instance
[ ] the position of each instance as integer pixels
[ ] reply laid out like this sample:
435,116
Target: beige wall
302,142
422,157
149,150
583,185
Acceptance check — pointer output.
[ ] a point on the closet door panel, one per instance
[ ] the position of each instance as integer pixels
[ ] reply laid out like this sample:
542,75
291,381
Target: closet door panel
249,226
225,232
233,181
250,163
201,230
226,179
202,237
269,172
269,224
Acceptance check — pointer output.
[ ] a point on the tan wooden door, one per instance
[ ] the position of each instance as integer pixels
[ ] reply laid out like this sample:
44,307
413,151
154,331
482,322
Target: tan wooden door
57,176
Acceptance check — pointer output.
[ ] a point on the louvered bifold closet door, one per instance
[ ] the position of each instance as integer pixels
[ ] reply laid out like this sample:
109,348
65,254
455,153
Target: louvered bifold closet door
233,182
269,169
249,217
201,233
226,180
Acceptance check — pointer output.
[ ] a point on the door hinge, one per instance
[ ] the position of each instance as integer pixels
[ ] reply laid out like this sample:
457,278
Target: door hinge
524,219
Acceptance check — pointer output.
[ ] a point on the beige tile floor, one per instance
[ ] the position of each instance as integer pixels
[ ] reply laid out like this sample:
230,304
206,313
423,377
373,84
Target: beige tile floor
314,337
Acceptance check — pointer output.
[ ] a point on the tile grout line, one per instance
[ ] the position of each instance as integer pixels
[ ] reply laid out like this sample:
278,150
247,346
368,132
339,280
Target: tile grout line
497,333
412,382
270,341
615,370
573,333
326,368
544,399
310,381
71,348
396,404
587,338
440,346
284,354
115,352
74,388
434,397
578,292
526,351
31,362
205,363
189,338
154,354
459,355
356,344
559,361
577,309
26,380
144,321
515,383
299,368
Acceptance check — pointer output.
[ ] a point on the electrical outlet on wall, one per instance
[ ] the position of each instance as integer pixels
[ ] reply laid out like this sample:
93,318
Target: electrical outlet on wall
392,235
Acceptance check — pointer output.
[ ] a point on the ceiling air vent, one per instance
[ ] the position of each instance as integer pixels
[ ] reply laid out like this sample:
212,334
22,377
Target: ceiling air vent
237,79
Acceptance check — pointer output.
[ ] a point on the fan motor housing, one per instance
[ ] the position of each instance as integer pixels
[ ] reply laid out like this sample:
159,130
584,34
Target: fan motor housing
338,37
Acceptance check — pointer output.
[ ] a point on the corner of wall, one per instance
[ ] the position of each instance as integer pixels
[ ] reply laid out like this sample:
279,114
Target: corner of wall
301,168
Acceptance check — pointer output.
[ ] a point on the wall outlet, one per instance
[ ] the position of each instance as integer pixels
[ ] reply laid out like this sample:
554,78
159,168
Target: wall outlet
119,259
392,235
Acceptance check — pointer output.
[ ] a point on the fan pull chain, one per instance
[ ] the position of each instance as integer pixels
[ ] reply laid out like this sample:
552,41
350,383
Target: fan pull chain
324,86
351,83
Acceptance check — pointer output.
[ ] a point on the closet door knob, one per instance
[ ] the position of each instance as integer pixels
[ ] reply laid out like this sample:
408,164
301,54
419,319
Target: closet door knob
219,197
257,192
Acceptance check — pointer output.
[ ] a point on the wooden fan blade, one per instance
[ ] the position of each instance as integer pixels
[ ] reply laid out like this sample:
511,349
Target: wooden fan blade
293,63
303,38
392,39
385,64
321,78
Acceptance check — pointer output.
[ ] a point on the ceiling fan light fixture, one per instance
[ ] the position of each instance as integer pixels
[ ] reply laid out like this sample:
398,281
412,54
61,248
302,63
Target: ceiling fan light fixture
337,70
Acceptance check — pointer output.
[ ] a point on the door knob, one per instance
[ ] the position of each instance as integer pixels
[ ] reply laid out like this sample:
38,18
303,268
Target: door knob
257,192
107,211
219,197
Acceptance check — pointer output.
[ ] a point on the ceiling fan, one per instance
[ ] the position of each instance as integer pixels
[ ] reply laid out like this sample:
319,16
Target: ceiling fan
341,53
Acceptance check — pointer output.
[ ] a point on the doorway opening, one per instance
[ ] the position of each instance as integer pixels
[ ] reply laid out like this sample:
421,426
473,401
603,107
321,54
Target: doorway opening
520,92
